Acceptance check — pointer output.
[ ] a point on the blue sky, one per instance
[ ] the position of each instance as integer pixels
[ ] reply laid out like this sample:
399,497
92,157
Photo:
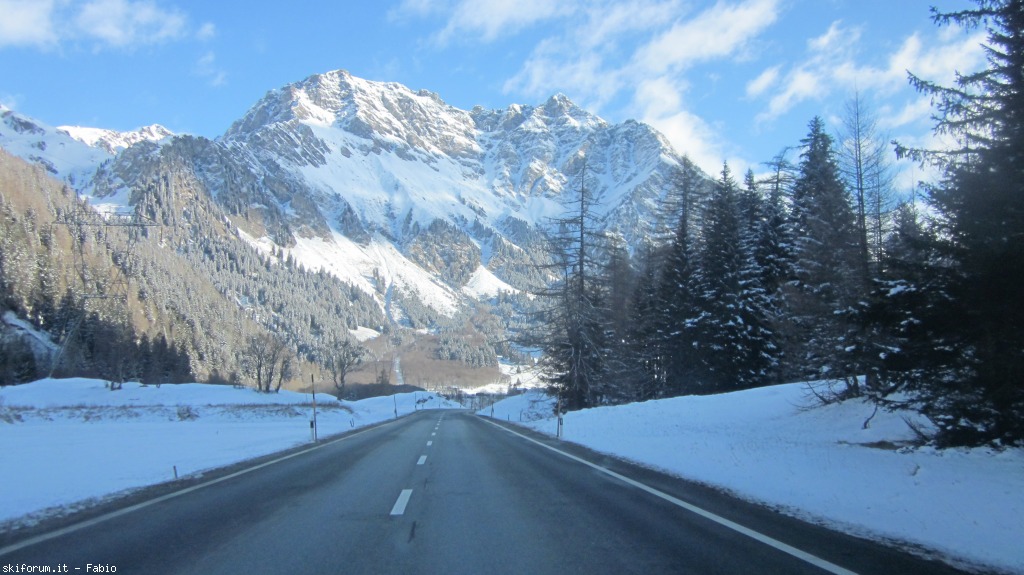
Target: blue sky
734,80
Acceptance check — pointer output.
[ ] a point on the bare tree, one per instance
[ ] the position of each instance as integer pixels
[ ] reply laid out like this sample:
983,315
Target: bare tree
575,322
268,362
867,170
342,358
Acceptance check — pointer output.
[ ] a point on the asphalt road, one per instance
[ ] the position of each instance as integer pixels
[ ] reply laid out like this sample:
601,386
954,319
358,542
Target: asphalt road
444,492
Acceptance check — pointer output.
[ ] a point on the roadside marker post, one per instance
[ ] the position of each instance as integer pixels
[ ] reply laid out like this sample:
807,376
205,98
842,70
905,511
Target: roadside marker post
312,424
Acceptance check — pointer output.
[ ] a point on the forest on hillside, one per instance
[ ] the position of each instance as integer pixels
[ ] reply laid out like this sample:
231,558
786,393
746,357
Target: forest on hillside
153,298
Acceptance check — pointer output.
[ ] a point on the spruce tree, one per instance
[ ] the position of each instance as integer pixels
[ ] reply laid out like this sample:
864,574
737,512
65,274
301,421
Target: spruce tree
967,300
733,339
827,278
676,336
642,340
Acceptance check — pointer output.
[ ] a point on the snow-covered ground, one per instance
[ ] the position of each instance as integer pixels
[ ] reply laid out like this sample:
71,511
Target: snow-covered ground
69,442
773,446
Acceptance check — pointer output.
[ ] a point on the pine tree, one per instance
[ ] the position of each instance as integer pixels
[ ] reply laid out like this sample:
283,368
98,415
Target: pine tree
732,334
677,361
968,303
827,276
642,342
774,250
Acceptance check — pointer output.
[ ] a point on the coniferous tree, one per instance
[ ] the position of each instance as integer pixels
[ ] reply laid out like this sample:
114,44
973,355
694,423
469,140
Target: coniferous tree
733,339
763,266
966,303
642,342
677,359
574,343
774,250
827,279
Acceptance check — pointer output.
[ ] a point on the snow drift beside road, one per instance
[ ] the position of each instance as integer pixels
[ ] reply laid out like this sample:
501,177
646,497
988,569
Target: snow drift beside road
818,463
70,441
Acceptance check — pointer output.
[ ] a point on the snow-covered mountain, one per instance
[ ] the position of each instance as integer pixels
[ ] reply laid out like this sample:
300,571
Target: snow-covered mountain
399,172
395,156
405,196
113,141
61,155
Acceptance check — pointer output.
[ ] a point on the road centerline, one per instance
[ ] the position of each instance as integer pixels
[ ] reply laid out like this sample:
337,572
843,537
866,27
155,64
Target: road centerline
423,459
403,500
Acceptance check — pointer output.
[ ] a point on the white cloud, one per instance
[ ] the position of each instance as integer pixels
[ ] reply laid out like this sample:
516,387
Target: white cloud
123,23
582,60
491,19
547,71
9,101
763,82
119,24
914,111
639,51
418,9
718,32
832,65
27,23
660,103
206,32
605,25
207,68
939,61
811,78
800,85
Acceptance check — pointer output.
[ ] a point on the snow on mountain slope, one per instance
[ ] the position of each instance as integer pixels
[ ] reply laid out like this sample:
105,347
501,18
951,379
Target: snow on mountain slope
484,284
113,141
388,188
384,163
348,260
399,156
64,157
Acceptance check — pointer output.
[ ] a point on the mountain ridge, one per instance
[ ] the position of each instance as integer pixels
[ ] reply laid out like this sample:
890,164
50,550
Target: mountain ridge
112,141
431,210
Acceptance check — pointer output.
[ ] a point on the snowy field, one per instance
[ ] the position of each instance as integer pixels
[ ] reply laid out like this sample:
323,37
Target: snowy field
818,463
67,443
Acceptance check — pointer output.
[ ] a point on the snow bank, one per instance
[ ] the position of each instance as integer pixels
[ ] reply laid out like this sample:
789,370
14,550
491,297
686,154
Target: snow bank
73,440
95,392
819,463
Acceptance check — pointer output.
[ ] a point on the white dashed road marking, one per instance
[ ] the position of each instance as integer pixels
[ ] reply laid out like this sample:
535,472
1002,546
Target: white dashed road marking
403,500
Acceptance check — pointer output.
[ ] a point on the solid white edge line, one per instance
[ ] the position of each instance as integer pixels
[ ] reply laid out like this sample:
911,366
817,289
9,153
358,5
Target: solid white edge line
403,500
423,459
757,536
126,510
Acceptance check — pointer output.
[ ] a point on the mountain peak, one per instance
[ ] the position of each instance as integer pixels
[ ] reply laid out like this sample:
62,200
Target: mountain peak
560,99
